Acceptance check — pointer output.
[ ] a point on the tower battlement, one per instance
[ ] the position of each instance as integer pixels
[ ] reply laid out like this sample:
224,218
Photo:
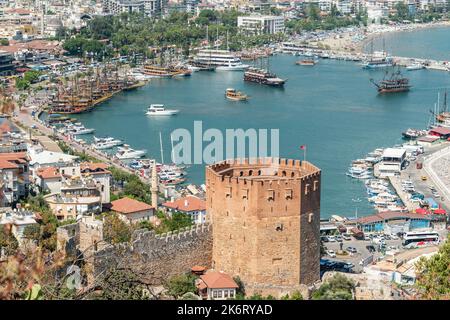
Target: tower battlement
265,216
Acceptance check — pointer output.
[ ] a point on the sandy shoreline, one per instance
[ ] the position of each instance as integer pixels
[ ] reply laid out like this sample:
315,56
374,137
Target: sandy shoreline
345,42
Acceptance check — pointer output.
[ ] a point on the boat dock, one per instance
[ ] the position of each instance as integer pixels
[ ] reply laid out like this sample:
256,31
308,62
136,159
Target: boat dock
397,185
357,57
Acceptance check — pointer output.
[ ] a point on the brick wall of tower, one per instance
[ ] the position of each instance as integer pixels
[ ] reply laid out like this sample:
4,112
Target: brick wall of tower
267,242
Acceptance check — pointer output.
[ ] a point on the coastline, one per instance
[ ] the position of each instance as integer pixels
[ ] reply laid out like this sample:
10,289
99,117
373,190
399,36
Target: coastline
355,40
396,29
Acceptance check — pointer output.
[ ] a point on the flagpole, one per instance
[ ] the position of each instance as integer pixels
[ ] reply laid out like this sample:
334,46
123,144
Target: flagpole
304,153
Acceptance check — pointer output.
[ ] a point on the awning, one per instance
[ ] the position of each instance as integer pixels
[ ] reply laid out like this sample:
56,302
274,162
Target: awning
440,211
421,211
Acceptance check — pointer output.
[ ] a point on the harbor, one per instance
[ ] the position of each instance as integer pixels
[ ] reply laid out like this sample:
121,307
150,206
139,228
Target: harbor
357,118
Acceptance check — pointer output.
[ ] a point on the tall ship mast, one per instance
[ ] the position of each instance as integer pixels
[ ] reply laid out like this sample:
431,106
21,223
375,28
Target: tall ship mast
393,83
378,59
263,76
443,116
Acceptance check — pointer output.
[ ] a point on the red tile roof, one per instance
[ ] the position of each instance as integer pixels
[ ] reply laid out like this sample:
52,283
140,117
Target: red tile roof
127,205
186,204
48,173
10,160
441,131
389,216
218,280
94,168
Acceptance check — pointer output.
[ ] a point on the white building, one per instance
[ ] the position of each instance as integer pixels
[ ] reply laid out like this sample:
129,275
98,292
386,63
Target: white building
391,163
19,220
149,7
261,24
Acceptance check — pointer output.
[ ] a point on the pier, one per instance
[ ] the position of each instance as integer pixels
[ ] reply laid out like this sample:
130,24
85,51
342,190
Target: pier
396,183
358,57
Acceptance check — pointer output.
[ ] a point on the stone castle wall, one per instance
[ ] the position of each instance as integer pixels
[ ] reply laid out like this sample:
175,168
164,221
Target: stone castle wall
156,258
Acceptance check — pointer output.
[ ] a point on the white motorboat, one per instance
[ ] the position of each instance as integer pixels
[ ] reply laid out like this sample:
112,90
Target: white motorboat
160,110
126,152
106,143
415,66
78,129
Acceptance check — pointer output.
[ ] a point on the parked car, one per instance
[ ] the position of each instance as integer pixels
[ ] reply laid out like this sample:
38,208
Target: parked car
371,248
324,238
352,249
387,237
346,236
394,237
331,253
338,238
331,239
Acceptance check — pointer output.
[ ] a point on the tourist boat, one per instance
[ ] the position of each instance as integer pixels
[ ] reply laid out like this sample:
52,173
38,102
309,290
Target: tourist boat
358,173
395,83
415,66
221,60
234,95
79,129
164,72
263,76
306,62
160,110
106,143
126,152
377,60
413,133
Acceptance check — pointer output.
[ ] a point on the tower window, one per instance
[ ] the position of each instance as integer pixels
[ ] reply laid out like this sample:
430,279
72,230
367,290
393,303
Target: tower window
316,185
306,188
279,227
270,194
228,192
310,217
288,193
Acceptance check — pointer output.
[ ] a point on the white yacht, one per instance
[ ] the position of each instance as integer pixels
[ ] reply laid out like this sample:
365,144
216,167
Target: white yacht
415,66
106,143
160,110
78,129
222,60
126,152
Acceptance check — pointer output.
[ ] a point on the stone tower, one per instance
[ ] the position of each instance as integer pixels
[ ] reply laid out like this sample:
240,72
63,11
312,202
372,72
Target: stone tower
266,221
154,187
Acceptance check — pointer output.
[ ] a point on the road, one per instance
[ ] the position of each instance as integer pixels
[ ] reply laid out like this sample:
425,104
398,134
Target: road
25,119
431,155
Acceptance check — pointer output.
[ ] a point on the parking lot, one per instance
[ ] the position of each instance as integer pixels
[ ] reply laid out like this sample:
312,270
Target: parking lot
362,252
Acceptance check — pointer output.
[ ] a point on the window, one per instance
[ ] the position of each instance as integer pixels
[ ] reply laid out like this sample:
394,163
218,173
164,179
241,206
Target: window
270,194
306,188
244,193
219,293
316,185
288,193
225,293
310,217
228,192
214,294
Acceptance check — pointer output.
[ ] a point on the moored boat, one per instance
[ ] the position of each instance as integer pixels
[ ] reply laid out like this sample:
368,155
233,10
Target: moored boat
126,152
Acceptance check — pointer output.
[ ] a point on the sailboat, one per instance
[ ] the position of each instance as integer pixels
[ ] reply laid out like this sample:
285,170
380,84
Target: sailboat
378,59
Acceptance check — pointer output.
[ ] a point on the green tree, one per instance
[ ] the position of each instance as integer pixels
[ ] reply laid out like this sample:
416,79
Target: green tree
338,287
181,284
4,42
433,274
116,230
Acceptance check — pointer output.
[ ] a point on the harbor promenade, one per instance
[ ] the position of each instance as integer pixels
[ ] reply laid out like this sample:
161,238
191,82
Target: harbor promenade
396,183
27,120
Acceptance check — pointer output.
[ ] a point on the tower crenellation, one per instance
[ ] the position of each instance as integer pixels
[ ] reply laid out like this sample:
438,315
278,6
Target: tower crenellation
265,216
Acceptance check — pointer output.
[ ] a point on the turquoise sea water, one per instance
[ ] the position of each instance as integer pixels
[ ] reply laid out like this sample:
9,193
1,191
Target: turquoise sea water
431,43
331,107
